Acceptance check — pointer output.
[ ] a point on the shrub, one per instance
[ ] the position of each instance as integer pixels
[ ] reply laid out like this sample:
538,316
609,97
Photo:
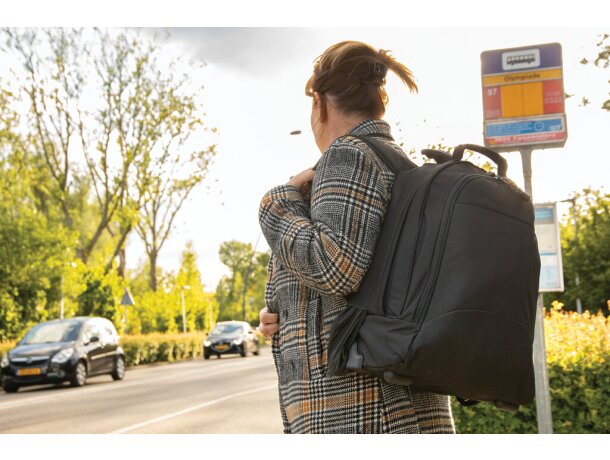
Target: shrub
578,352
5,347
152,348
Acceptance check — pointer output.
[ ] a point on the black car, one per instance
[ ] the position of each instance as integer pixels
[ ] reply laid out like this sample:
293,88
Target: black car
63,350
230,337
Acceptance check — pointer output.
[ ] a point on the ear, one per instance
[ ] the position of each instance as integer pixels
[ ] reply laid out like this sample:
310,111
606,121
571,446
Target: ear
321,103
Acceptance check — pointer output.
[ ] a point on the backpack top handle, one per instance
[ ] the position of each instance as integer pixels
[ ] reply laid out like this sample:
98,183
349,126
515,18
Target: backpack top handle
494,156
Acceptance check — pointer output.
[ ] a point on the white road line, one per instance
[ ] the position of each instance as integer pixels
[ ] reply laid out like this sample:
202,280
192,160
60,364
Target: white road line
191,409
122,386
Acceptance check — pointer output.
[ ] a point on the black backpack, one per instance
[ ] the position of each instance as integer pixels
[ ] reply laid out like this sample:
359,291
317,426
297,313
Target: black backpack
448,304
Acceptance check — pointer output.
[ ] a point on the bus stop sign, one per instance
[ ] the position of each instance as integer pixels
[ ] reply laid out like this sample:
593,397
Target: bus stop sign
523,98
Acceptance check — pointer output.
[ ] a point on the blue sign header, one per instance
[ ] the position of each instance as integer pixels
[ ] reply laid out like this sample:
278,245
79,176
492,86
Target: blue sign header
520,59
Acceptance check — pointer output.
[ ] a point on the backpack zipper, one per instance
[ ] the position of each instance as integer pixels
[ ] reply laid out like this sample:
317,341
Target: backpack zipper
424,304
397,232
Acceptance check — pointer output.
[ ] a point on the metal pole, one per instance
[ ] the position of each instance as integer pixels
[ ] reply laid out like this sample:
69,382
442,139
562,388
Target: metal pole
183,312
543,395
526,161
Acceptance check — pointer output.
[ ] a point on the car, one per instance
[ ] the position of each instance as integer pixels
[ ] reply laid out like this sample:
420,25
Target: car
231,337
64,350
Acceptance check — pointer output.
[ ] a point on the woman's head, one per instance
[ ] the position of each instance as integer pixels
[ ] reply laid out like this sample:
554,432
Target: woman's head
352,75
349,79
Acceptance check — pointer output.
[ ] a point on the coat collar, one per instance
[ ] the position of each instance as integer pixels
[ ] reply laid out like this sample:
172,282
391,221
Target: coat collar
371,127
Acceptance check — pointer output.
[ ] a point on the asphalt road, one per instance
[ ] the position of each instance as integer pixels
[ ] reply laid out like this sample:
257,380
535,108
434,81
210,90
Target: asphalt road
227,395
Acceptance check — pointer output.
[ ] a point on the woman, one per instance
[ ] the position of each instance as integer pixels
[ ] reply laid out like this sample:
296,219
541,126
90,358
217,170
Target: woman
322,228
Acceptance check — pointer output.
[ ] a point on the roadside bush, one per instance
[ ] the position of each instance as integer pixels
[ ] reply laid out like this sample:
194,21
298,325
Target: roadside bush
152,348
5,347
578,357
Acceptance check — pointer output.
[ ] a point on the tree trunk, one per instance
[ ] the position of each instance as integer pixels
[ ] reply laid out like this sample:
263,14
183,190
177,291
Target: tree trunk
153,270
122,262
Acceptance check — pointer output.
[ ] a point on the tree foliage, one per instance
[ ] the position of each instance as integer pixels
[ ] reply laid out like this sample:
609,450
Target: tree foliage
112,119
587,252
243,290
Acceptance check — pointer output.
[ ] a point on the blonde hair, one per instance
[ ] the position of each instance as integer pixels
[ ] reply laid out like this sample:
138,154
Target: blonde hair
353,74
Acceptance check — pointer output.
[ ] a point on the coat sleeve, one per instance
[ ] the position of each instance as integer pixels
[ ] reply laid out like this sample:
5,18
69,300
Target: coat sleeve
270,288
330,247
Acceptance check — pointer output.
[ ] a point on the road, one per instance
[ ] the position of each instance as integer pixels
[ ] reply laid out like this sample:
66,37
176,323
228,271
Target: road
227,395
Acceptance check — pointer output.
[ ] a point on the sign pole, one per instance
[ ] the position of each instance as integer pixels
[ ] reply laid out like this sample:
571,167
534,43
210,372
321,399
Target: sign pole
543,396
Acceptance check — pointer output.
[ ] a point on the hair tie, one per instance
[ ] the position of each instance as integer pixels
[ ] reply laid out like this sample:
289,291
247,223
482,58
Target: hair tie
380,70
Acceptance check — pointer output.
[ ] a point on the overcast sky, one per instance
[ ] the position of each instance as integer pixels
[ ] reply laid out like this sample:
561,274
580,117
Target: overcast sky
254,95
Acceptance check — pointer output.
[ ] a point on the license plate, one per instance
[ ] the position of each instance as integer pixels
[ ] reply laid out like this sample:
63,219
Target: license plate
29,371
222,347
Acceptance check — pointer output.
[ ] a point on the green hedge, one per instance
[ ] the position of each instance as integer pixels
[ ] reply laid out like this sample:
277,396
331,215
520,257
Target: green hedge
578,356
153,348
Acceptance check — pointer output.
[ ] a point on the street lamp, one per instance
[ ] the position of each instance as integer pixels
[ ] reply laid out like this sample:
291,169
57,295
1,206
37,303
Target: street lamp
182,288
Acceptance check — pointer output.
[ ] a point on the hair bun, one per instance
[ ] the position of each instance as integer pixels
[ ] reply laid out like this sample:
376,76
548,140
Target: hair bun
379,69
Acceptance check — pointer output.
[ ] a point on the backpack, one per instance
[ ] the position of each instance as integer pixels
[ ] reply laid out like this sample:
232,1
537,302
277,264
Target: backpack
448,303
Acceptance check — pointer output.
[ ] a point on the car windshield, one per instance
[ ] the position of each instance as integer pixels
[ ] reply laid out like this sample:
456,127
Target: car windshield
52,332
226,329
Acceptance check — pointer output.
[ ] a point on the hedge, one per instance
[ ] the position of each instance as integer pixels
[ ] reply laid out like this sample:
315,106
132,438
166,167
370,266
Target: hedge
578,357
152,348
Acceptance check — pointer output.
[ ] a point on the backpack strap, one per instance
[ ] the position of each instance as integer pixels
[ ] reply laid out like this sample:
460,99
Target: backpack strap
392,159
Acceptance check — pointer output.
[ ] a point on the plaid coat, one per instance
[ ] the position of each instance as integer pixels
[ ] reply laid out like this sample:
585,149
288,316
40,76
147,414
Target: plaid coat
321,248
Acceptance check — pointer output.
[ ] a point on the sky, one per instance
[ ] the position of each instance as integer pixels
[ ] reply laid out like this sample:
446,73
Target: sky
254,95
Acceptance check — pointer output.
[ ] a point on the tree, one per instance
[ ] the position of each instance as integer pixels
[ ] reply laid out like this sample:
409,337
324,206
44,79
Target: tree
166,180
101,296
34,249
245,285
108,101
589,254
198,304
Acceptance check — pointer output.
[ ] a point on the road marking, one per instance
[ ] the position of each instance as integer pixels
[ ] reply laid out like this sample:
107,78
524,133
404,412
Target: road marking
110,386
191,409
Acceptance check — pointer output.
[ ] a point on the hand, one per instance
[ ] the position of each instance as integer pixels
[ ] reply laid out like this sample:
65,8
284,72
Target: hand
302,181
269,323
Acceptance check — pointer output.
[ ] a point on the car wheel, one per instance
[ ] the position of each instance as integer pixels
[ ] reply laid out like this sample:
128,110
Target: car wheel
206,356
119,369
80,375
242,351
218,356
257,351
10,387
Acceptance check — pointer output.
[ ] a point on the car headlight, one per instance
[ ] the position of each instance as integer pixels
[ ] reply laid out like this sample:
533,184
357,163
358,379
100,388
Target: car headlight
237,341
207,343
5,361
63,355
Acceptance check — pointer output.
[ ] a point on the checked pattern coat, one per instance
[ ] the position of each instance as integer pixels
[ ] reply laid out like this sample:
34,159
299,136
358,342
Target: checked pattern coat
322,245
